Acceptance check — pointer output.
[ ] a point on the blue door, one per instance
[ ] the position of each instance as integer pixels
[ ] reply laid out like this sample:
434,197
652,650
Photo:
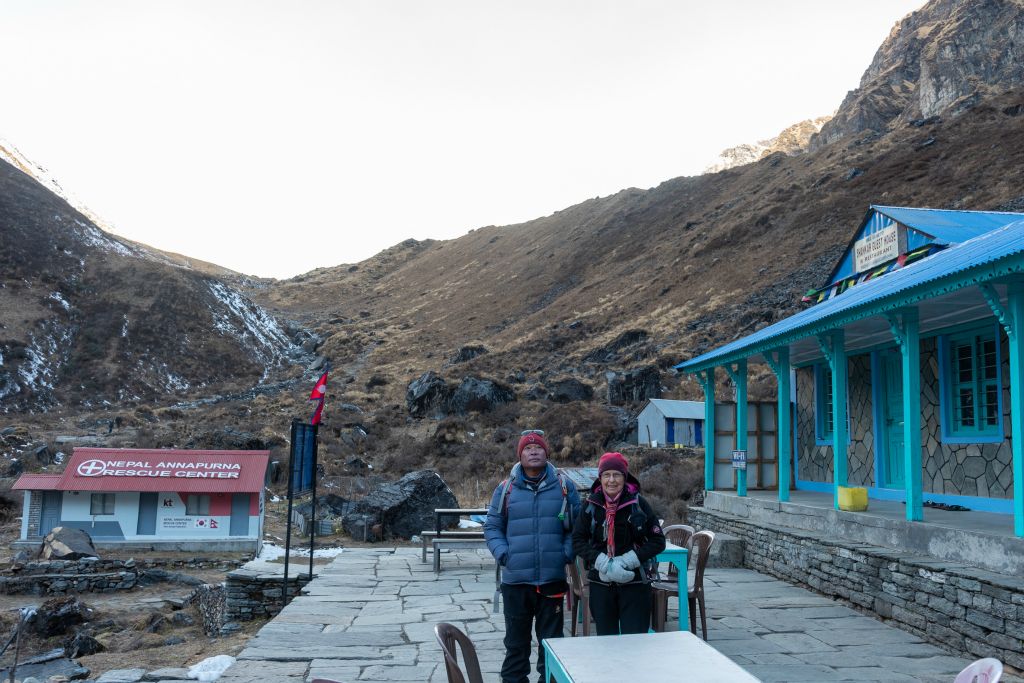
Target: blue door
147,514
892,424
239,514
698,428
49,515
670,431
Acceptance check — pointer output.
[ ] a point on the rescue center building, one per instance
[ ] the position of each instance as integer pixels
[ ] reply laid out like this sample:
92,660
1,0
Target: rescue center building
182,499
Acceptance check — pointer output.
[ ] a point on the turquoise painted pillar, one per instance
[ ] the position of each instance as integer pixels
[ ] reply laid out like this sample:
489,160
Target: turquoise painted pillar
1016,339
833,346
739,378
707,382
780,367
906,330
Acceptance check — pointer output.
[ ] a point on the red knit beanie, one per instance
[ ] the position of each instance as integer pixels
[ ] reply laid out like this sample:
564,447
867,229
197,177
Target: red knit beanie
526,439
612,461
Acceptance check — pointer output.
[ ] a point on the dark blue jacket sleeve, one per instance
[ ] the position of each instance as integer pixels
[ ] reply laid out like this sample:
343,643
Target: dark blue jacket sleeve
494,528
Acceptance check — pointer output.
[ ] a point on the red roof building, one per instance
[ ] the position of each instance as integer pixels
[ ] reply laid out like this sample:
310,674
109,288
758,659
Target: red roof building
210,500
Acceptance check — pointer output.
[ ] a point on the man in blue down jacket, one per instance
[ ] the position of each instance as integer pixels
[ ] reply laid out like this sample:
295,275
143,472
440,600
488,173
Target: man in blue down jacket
529,532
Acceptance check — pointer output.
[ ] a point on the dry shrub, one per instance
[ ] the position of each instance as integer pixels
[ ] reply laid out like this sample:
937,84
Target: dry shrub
669,480
10,505
577,431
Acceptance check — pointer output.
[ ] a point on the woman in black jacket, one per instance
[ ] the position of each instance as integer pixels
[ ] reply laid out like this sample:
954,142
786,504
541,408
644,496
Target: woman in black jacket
618,536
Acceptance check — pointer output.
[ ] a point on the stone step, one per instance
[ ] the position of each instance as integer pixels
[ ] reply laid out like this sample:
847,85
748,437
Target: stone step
726,551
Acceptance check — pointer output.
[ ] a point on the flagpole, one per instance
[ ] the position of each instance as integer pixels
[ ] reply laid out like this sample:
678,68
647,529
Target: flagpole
316,445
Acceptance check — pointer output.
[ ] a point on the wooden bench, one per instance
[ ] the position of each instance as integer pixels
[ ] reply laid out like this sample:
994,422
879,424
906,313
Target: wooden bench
428,536
449,543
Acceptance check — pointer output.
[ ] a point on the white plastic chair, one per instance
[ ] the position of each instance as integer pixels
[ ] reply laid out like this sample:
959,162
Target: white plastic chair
987,670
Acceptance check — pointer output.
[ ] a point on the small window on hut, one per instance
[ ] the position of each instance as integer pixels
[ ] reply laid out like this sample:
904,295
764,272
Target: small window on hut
197,505
101,504
971,386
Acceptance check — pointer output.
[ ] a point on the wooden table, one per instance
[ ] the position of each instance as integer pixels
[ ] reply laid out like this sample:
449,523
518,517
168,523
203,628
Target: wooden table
440,513
669,656
679,556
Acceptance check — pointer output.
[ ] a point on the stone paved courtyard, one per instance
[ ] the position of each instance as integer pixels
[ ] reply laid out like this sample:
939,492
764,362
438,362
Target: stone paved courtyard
370,614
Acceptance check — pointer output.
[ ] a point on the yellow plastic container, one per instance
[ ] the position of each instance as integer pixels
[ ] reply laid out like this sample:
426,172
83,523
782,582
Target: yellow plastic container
853,498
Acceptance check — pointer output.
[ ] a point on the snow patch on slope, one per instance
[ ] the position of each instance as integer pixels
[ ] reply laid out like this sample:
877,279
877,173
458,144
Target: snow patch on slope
247,322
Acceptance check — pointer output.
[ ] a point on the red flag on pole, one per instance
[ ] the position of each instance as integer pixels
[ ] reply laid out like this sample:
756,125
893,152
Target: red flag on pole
318,394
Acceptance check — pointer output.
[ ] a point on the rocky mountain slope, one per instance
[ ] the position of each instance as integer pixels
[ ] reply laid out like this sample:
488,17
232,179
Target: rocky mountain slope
544,312
939,61
87,319
793,140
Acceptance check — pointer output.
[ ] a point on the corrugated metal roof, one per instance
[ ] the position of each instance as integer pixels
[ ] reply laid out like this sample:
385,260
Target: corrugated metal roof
679,410
986,249
951,227
185,471
37,482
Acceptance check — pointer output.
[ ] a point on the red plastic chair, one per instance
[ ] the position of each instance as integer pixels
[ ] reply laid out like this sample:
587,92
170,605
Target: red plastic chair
987,670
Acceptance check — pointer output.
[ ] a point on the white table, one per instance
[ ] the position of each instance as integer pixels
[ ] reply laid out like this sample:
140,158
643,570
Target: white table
669,656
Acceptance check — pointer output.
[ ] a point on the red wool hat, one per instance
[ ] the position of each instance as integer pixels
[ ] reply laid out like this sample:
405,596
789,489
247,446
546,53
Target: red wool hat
526,439
612,461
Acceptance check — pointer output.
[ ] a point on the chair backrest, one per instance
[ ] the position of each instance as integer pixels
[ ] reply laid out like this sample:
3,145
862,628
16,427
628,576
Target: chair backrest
682,536
702,541
448,636
987,670
575,578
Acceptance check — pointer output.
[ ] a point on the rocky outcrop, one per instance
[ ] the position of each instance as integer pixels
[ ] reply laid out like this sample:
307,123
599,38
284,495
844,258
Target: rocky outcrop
430,396
936,62
66,543
401,509
636,385
791,141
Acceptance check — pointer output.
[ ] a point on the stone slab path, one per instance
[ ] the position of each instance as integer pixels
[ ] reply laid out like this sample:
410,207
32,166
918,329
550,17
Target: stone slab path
370,614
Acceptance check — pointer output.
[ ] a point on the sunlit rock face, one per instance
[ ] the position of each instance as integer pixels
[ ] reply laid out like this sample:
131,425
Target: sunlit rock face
938,61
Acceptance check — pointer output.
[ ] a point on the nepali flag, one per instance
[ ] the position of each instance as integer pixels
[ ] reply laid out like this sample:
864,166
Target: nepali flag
318,394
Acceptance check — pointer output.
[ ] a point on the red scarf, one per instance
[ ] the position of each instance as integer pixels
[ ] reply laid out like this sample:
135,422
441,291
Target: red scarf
611,505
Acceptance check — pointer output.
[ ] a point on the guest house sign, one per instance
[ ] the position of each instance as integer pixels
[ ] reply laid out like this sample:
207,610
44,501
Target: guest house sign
879,247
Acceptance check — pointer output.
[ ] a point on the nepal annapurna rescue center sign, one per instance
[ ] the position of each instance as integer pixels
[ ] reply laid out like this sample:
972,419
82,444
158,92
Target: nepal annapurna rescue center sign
145,468
151,495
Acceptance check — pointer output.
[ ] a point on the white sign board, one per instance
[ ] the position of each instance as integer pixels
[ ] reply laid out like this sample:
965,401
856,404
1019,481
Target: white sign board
739,460
877,248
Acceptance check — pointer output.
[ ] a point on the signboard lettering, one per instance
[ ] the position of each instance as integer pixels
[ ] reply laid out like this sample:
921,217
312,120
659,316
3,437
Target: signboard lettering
184,470
739,460
877,248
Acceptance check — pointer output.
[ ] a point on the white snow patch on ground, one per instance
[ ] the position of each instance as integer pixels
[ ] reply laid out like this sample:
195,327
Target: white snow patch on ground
61,300
124,327
95,237
469,524
210,669
245,320
272,552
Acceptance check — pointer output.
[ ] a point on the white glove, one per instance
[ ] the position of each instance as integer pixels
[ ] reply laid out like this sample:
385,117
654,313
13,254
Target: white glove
629,560
617,573
600,564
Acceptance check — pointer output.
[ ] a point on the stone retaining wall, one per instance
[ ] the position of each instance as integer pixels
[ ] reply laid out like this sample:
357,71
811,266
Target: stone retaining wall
259,596
93,575
974,612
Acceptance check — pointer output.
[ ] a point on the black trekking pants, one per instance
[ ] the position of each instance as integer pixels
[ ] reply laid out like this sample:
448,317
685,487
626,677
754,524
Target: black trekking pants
620,607
524,606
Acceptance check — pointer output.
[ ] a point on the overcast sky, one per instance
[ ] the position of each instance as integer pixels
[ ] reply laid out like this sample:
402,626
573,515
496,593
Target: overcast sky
275,137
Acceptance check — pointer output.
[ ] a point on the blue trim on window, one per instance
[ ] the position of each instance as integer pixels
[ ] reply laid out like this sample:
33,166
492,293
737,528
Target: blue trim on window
947,433
1002,506
877,417
821,437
